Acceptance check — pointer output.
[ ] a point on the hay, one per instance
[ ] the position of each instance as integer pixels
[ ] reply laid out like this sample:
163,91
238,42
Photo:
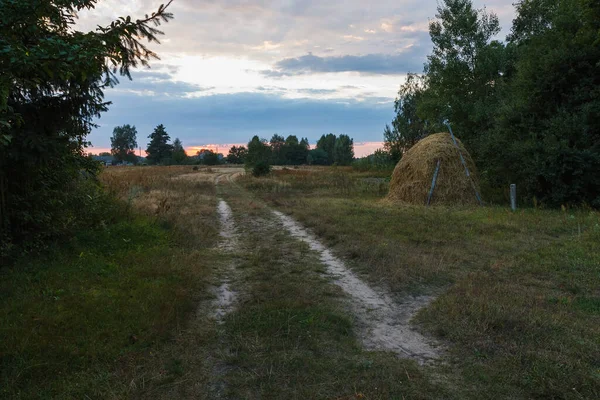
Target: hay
411,180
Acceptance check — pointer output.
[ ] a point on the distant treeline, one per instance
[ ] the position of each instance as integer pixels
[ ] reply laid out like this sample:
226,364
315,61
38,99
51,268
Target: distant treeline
159,151
528,109
330,150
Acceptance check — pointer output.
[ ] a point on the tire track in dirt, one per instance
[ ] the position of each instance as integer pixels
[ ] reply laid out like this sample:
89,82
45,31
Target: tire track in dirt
384,323
225,295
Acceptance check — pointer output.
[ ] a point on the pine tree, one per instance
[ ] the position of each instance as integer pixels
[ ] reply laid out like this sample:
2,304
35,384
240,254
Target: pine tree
159,150
179,155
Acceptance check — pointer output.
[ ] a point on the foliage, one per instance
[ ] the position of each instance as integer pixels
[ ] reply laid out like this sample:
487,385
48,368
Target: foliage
548,125
51,88
261,168
407,127
178,155
462,71
209,157
123,143
526,110
380,160
327,144
343,151
317,157
295,153
277,144
237,155
159,150
259,156
288,151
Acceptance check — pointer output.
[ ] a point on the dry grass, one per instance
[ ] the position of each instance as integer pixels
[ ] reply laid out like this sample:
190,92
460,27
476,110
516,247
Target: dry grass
160,192
519,304
412,177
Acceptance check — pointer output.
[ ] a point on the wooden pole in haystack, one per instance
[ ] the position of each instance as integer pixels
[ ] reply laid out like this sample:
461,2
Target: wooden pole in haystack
435,174
463,162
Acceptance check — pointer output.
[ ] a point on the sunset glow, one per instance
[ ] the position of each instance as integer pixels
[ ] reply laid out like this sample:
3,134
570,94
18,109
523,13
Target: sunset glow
360,149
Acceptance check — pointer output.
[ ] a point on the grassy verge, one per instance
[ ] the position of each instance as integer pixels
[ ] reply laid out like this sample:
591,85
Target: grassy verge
103,315
519,292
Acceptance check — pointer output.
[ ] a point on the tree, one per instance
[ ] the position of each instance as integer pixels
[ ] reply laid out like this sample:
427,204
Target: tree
178,156
407,127
317,157
159,150
123,143
327,144
464,71
547,138
277,149
343,153
258,159
237,155
295,152
209,157
51,88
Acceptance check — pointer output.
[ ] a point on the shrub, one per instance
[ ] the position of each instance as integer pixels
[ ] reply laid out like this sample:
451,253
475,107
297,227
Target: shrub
261,168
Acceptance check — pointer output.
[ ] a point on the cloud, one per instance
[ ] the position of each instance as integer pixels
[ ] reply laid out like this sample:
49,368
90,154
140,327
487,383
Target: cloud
384,64
235,118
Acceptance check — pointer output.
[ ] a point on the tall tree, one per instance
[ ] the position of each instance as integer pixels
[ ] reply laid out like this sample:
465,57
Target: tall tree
237,155
178,155
159,150
317,157
327,144
277,149
295,152
463,72
258,159
209,157
407,127
123,143
548,135
51,89
343,151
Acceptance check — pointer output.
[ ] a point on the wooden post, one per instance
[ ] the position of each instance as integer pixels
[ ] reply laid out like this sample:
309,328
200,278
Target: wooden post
435,174
513,197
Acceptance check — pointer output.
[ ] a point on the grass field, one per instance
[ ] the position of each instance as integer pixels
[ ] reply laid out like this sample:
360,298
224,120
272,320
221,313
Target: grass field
127,310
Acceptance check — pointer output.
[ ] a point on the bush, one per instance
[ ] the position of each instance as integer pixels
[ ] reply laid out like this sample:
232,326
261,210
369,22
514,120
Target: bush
261,168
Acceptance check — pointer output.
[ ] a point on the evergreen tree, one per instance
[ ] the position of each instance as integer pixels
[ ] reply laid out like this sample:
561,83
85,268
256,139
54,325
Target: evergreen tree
123,143
178,155
159,150
51,90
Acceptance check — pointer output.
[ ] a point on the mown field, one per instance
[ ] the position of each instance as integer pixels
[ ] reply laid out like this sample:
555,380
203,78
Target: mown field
124,311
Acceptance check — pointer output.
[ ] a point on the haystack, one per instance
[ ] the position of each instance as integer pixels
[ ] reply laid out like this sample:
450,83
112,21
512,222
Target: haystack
412,177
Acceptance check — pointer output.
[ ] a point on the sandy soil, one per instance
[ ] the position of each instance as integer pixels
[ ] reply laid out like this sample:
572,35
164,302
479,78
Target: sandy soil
385,324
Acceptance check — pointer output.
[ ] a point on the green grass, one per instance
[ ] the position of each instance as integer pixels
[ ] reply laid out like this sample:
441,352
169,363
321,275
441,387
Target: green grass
124,310
518,292
292,337
74,322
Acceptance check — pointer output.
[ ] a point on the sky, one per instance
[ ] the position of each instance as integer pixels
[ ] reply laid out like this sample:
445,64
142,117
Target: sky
232,69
